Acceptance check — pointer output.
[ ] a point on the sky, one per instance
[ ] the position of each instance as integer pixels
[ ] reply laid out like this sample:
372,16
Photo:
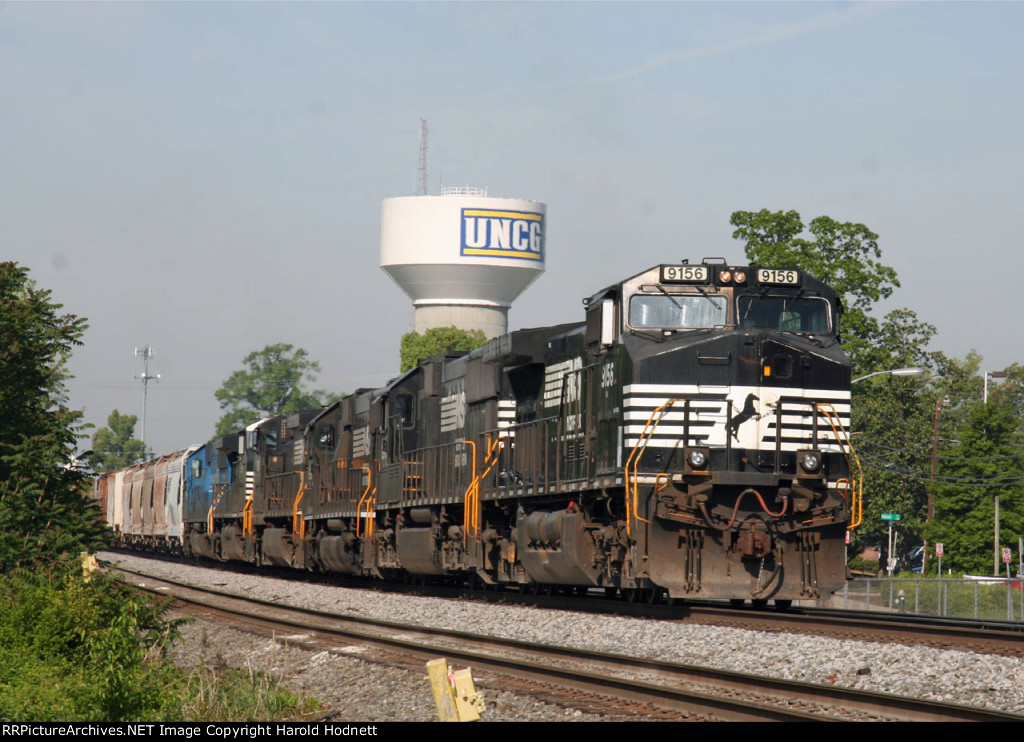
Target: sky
206,178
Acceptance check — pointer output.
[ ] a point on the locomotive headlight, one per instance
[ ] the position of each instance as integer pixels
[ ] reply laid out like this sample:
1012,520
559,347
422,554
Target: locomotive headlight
810,461
739,277
697,458
725,276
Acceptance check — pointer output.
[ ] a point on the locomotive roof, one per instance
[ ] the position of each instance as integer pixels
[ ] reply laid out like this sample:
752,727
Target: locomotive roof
807,281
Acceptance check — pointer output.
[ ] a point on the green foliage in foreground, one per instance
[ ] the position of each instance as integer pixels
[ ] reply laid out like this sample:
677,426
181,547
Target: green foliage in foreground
44,508
72,650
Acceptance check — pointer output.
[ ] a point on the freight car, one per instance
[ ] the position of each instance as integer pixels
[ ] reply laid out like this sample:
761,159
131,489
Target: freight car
142,503
687,438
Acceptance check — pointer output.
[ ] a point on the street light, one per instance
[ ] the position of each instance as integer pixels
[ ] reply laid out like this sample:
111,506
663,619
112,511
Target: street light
912,371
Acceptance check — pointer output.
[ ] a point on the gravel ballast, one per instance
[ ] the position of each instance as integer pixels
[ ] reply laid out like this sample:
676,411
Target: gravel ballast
361,691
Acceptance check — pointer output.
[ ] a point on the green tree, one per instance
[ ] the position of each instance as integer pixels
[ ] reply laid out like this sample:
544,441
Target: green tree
984,462
842,254
44,506
115,446
274,383
437,340
893,420
893,417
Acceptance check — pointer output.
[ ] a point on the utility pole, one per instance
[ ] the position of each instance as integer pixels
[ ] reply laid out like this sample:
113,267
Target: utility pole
146,352
995,505
930,511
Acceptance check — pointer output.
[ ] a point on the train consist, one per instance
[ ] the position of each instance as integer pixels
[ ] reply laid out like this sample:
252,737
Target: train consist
687,438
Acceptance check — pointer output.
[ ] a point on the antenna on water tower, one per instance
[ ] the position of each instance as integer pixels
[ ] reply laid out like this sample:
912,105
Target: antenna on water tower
421,182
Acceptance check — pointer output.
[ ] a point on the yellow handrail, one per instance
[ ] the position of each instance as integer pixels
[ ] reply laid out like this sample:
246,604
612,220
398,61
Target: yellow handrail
633,462
247,528
362,499
852,462
213,506
467,497
298,524
471,508
369,497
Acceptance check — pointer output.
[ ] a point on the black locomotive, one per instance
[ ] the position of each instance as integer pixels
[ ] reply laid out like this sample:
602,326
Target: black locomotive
687,438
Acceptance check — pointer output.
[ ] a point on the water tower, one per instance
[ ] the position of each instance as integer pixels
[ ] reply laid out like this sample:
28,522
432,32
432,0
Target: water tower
462,257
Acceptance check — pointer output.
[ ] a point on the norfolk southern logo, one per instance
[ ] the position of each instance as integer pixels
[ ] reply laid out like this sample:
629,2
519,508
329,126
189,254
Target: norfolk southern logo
503,234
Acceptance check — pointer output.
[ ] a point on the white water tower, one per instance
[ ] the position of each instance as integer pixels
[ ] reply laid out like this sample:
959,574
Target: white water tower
462,257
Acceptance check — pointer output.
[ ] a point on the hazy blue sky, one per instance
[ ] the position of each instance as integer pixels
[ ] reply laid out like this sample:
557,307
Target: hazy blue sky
207,177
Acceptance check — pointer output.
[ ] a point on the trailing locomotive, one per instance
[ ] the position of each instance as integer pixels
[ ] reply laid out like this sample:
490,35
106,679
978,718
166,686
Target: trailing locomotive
687,438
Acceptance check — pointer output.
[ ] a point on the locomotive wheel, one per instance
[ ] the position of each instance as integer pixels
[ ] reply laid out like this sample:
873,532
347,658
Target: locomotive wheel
653,595
611,592
783,605
736,602
759,604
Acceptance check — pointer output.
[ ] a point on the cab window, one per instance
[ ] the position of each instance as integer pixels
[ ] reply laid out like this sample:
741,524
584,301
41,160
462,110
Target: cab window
677,311
784,313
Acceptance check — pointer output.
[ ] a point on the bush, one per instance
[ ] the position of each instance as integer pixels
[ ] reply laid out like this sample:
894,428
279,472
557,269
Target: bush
77,650
865,566
92,649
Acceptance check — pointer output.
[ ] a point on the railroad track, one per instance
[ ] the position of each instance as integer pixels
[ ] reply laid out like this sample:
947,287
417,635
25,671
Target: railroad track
987,637
649,688
997,638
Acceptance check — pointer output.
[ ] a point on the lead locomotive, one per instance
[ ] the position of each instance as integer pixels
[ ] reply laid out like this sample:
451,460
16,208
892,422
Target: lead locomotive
687,438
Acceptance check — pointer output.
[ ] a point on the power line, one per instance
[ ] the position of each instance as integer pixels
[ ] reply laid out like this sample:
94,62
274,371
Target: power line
907,452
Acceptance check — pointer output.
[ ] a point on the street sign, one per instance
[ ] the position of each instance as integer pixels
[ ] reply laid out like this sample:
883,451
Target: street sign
939,549
890,516
1006,556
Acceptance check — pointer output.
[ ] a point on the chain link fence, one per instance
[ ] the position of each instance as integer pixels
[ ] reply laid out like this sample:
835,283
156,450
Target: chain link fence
989,598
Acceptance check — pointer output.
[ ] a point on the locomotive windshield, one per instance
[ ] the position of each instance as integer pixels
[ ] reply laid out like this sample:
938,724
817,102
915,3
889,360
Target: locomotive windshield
784,313
677,311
